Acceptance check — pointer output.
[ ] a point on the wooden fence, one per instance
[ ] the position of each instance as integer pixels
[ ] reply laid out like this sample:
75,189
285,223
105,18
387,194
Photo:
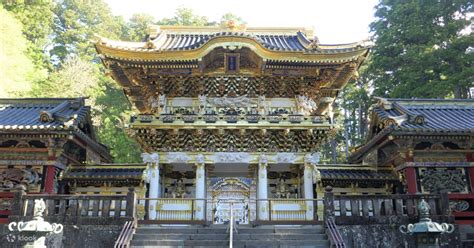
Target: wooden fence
384,209
77,209
6,203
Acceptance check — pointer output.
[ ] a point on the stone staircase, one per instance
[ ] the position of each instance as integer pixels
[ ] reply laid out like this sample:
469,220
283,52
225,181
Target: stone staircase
217,236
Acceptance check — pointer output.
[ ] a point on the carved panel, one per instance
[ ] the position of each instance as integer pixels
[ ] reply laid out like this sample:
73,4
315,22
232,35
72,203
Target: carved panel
229,140
13,177
218,86
433,180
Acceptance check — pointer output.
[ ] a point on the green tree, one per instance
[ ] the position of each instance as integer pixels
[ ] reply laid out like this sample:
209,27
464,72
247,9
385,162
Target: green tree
17,70
37,20
113,110
187,17
75,78
137,27
420,49
75,24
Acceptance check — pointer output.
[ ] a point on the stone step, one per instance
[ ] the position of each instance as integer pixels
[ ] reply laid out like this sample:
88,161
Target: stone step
237,236
183,243
280,237
223,230
225,243
236,246
217,236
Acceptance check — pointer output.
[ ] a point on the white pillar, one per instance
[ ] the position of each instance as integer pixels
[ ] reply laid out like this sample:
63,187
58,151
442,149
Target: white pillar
153,178
310,161
200,186
308,185
262,188
308,190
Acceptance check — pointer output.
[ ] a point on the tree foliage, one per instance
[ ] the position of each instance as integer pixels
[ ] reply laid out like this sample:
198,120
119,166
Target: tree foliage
187,17
420,50
137,27
75,24
17,70
37,26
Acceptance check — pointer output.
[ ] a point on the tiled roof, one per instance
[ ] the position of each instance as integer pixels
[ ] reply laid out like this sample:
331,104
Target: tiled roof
175,39
105,171
356,174
417,116
427,115
42,114
49,114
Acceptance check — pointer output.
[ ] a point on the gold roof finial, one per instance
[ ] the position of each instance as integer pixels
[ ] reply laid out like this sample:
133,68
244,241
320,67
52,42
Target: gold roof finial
231,24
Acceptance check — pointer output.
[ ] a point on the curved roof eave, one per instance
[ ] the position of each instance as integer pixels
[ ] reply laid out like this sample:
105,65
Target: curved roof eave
138,52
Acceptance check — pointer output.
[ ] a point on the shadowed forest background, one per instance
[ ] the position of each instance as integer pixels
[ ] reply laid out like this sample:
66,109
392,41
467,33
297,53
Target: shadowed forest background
422,49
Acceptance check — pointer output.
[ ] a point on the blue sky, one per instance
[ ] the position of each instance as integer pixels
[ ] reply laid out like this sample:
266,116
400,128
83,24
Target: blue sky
334,21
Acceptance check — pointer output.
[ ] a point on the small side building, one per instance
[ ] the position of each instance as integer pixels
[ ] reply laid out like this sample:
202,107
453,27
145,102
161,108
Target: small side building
429,143
40,138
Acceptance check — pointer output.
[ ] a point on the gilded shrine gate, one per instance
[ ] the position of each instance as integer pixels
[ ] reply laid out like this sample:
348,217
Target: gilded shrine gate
248,107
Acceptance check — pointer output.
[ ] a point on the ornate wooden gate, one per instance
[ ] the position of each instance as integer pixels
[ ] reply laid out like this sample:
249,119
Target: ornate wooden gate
227,191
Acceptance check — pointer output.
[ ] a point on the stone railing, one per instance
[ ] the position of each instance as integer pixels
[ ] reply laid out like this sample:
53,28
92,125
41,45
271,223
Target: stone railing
77,209
384,209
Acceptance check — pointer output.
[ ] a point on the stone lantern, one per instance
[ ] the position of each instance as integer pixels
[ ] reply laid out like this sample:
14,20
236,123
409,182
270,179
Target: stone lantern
33,232
426,231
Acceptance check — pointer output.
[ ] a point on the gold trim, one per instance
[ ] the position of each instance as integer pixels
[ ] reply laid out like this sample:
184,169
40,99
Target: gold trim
150,55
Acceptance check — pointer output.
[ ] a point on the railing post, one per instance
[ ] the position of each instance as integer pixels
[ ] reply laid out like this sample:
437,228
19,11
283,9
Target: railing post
131,202
444,204
17,206
328,203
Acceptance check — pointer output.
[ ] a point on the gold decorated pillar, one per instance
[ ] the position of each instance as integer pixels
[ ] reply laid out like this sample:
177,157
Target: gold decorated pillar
262,188
200,186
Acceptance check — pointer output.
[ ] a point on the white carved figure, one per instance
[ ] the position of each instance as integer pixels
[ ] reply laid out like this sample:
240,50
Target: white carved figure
202,100
39,208
286,158
150,158
261,102
262,159
177,157
200,159
239,102
229,157
146,157
312,158
162,100
305,105
155,158
154,104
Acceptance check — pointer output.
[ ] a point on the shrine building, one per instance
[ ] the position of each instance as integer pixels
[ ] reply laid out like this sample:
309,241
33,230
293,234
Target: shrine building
231,121
236,113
